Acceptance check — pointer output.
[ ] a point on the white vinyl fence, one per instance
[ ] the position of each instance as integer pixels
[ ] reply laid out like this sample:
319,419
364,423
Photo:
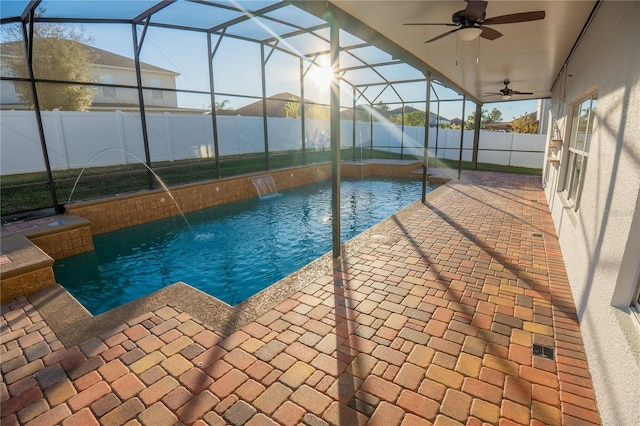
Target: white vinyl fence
76,139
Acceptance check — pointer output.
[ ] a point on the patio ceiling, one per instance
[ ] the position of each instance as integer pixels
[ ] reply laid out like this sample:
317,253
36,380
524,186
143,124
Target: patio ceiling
529,54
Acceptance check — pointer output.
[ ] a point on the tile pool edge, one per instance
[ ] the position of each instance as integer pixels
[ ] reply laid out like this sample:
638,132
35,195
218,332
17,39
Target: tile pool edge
73,324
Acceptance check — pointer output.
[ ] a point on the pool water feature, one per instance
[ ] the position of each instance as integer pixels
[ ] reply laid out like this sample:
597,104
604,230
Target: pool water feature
235,250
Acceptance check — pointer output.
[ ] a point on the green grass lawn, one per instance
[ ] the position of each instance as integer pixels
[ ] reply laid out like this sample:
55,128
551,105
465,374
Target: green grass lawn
30,191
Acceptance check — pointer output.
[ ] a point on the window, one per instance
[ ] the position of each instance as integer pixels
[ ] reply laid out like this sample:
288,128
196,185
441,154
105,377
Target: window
156,82
107,92
579,141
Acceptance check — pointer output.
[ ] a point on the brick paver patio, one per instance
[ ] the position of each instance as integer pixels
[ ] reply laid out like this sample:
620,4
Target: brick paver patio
464,316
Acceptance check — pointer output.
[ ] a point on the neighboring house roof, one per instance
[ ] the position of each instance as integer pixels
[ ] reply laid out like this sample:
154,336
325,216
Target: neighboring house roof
103,57
275,106
362,112
107,58
410,109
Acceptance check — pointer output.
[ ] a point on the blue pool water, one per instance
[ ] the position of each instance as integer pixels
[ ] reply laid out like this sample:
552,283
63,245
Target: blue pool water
235,250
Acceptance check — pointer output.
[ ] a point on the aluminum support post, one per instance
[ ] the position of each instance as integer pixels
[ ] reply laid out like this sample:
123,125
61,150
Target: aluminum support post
464,101
137,47
425,154
334,106
476,137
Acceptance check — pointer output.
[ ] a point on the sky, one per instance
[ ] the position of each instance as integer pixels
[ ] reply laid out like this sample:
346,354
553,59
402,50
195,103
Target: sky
237,71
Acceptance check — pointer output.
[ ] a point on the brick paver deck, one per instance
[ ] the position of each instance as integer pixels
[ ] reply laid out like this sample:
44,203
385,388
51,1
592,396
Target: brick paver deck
464,317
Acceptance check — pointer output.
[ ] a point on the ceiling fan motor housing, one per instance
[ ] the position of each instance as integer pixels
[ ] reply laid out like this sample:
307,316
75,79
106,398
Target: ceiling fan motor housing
460,18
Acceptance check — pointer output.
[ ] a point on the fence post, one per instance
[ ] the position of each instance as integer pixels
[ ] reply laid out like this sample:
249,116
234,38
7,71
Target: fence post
513,135
122,138
57,119
169,135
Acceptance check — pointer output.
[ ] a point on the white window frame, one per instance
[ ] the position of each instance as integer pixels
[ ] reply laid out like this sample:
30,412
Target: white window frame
108,92
156,93
578,151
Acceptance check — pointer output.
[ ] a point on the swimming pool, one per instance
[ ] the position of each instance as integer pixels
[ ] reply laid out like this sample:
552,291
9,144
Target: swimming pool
232,251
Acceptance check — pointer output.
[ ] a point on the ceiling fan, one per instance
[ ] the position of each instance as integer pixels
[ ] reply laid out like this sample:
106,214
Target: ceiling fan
507,93
472,20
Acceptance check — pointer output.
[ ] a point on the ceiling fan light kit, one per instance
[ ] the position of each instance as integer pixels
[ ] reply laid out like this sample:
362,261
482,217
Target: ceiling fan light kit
468,34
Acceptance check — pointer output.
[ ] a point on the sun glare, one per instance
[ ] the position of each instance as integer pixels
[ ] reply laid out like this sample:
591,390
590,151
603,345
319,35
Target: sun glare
322,74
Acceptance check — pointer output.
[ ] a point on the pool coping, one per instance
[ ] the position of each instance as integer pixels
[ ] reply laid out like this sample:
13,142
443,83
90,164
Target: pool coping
74,324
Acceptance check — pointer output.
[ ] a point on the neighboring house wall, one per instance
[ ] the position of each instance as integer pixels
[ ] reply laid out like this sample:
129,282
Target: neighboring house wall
600,238
110,98
8,98
127,76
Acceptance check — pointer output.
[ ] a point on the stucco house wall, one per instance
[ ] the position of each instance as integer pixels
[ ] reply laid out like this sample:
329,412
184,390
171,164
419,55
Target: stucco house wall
129,97
600,239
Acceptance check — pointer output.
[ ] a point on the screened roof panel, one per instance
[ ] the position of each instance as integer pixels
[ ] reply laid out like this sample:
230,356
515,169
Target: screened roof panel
297,16
189,14
259,29
247,20
347,39
304,44
249,6
399,71
372,54
96,9
11,9
348,60
364,74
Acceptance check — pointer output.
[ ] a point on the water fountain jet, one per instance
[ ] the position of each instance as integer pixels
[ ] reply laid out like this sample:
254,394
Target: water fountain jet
265,185
141,162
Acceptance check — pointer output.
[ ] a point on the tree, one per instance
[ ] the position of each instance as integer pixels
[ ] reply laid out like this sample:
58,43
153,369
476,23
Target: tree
470,122
414,118
292,108
525,124
487,117
222,104
59,53
317,112
495,116
382,107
